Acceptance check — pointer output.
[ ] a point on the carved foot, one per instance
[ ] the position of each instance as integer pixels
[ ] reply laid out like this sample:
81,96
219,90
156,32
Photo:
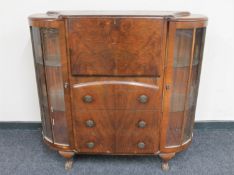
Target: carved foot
69,164
69,156
165,166
165,158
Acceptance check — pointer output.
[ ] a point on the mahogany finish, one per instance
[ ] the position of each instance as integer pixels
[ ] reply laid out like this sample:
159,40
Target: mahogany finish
118,82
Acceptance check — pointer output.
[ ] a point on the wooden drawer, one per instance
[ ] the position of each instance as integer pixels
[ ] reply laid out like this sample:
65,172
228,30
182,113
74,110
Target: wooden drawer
116,46
101,134
117,131
135,129
117,93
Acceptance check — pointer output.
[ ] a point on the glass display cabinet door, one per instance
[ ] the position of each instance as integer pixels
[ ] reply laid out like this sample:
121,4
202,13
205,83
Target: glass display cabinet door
41,83
193,84
53,72
181,66
46,46
185,72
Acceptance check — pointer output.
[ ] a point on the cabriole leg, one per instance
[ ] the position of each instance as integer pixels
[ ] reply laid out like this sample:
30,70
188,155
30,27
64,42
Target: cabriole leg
69,156
165,158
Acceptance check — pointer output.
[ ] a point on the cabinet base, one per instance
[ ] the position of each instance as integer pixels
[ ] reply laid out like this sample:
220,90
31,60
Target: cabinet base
69,162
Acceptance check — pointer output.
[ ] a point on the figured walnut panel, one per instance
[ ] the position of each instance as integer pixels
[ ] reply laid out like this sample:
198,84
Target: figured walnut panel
102,134
117,131
116,46
129,134
117,112
117,93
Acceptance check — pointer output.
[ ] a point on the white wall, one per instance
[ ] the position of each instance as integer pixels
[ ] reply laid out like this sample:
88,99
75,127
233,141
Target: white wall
18,95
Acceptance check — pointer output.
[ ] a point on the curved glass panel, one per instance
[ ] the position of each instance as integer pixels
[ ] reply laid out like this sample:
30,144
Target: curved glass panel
41,82
194,83
182,54
53,70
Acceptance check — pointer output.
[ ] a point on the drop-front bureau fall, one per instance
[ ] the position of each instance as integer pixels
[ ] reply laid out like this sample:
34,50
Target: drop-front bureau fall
118,83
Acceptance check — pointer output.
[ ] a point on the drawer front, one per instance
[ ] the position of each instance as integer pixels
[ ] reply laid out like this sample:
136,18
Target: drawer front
94,130
137,131
115,46
117,131
117,93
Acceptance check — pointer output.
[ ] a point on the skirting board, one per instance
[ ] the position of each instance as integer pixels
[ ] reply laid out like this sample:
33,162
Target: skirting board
198,125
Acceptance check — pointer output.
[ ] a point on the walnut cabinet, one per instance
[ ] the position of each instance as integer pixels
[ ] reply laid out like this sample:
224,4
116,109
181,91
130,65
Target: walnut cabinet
118,83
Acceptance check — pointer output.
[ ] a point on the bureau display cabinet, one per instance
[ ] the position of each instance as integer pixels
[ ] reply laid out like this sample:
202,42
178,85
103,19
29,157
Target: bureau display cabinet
118,83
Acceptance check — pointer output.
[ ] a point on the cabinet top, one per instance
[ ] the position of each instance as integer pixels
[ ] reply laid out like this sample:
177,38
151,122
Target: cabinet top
173,15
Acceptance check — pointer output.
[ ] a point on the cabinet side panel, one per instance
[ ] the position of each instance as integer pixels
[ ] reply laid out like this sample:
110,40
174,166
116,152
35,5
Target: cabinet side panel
41,83
53,70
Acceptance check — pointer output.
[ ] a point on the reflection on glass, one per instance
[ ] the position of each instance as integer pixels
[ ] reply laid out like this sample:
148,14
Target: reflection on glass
36,41
52,59
194,83
55,88
51,47
182,54
183,45
40,75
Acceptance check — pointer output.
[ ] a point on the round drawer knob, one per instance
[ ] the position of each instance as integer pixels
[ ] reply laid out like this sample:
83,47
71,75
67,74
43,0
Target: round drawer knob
90,145
141,145
143,99
87,98
90,123
141,124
